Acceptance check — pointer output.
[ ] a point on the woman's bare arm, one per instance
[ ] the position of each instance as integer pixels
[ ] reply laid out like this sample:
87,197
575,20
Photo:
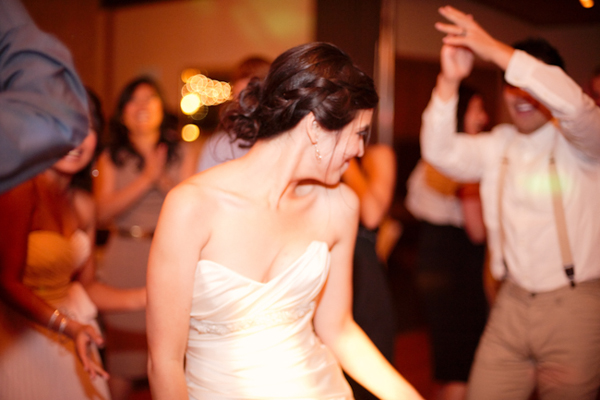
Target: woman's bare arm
180,235
106,298
374,181
112,201
333,319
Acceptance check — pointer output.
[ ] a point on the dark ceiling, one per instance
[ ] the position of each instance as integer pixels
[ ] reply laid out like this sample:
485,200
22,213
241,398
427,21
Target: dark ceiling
547,12
538,12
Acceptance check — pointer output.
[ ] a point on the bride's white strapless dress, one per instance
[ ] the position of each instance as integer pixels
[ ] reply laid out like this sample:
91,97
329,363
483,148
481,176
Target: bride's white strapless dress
253,340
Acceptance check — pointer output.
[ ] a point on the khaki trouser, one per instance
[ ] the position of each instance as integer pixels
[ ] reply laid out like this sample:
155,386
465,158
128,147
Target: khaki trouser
548,340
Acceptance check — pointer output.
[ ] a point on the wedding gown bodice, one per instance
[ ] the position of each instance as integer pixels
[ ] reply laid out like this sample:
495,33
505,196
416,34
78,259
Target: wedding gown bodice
253,340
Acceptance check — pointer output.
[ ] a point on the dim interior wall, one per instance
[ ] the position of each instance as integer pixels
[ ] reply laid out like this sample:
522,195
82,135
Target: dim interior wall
111,46
161,39
580,48
79,25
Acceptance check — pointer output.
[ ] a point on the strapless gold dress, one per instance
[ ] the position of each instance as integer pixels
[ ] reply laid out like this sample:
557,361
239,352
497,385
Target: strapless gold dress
36,363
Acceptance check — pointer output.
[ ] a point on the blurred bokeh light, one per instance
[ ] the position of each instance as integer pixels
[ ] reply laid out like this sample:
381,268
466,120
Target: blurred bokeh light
190,132
199,90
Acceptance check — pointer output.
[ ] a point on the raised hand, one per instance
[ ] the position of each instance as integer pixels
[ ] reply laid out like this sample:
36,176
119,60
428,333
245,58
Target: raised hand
457,62
465,32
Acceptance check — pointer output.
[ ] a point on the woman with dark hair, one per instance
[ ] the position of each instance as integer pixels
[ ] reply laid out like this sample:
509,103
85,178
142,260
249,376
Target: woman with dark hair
48,330
83,179
141,164
451,254
249,278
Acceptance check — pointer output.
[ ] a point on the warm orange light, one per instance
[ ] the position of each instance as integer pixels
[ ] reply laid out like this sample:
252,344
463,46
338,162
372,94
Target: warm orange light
187,73
587,3
190,132
190,103
209,91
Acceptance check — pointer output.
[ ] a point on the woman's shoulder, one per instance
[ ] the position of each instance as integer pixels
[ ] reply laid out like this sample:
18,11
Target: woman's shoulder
341,201
191,190
200,193
204,182
338,212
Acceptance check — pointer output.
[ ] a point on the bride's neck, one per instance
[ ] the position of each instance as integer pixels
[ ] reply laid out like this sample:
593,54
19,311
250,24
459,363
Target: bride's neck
278,164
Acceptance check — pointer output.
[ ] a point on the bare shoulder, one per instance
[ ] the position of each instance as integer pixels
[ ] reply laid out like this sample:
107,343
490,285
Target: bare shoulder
194,199
348,198
202,186
188,198
189,216
343,205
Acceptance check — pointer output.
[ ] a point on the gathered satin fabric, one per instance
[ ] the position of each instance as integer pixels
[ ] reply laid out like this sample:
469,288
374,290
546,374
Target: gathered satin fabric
253,340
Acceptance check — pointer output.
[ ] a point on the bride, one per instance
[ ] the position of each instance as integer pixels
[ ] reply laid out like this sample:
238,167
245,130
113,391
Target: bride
249,278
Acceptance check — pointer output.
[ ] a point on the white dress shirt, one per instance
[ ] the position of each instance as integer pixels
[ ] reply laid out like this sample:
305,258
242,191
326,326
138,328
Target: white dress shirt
427,204
531,246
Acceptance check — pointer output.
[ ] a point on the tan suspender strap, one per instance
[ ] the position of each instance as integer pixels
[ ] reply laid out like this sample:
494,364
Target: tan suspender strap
501,178
557,206
560,220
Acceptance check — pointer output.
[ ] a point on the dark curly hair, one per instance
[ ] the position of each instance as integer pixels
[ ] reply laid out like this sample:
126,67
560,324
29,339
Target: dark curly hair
541,49
83,178
315,77
118,134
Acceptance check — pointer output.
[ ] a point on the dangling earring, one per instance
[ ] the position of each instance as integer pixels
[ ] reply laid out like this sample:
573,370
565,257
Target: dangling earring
317,152
316,143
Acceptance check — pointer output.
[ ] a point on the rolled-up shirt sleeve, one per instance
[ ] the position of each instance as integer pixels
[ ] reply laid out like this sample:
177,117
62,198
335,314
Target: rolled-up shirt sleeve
458,156
43,104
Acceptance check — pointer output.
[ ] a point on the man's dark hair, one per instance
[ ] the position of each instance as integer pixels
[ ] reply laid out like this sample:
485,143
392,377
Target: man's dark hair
542,50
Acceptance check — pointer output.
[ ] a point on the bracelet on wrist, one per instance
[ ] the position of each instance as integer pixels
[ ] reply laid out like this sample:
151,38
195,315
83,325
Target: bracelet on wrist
53,317
63,325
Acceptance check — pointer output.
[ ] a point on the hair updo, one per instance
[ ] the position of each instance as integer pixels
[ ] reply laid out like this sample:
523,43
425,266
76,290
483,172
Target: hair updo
315,77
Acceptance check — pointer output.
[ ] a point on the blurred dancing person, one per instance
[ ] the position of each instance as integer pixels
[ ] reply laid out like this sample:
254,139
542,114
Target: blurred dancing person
540,178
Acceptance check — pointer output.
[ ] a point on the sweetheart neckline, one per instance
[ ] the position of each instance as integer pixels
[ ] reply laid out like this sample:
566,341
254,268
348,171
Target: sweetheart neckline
282,273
